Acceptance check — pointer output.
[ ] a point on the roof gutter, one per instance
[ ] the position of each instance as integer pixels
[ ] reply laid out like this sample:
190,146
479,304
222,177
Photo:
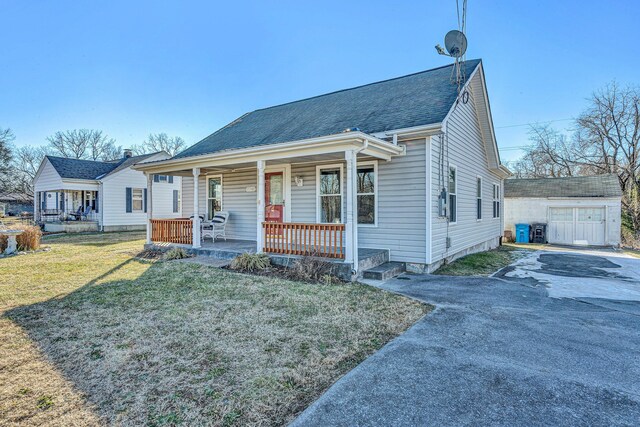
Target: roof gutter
414,132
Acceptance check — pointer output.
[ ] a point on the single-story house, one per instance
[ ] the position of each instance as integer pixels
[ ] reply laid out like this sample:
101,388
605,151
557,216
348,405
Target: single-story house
84,195
581,210
407,167
15,203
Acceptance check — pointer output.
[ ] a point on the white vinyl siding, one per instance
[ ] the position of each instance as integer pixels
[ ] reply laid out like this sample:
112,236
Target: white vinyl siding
236,199
114,197
466,150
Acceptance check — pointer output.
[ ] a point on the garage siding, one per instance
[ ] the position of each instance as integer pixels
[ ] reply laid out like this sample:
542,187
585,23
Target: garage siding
530,210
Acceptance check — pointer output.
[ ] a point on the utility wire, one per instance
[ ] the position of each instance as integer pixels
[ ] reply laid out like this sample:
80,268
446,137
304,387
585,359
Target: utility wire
533,123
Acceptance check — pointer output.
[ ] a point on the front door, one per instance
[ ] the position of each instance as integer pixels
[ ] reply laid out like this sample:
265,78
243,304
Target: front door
274,194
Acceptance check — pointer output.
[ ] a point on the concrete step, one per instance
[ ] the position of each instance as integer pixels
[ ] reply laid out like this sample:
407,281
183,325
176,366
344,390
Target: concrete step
385,271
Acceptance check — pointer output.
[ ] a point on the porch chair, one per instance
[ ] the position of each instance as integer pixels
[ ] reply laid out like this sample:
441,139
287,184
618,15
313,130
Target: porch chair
216,227
77,214
87,211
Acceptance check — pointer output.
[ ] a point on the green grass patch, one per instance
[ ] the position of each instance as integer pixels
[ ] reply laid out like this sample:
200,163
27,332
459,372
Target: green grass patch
482,263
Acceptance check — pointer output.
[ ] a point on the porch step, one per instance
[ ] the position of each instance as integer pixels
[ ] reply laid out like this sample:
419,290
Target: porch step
385,271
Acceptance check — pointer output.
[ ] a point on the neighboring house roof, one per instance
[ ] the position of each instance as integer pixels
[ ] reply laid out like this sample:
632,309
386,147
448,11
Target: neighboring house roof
89,169
576,186
404,102
16,198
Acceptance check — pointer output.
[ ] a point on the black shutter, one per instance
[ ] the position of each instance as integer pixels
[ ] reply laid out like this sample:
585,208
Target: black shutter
62,206
129,199
175,201
97,199
44,200
57,203
170,179
145,199
156,178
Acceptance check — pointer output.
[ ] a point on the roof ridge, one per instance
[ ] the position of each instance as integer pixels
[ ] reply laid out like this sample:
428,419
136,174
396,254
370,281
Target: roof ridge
355,87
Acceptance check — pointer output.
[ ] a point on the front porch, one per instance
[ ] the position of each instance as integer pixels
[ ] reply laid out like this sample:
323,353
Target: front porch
301,199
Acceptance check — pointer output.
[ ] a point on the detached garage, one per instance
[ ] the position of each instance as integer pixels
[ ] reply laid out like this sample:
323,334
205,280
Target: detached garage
581,210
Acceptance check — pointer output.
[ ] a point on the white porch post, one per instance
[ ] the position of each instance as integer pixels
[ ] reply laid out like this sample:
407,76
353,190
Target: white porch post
261,204
351,228
149,205
196,208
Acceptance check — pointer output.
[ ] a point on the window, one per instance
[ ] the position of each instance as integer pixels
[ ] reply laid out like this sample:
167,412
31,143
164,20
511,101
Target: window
137,199
453,198
367,193
479,198
496,201
163,178
176,201
561,214
329,188
214,196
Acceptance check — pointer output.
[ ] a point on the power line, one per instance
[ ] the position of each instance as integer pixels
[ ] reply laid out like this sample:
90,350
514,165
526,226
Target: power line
533,123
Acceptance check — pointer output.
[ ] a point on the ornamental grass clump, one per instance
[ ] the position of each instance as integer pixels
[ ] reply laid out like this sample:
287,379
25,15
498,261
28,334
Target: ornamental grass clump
250,263
176,253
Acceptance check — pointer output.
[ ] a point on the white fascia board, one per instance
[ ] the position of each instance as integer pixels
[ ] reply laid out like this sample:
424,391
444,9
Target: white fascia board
313,146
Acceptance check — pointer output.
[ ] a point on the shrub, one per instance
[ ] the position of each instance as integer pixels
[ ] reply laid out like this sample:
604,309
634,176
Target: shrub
250,262
30,239
312,269
176,253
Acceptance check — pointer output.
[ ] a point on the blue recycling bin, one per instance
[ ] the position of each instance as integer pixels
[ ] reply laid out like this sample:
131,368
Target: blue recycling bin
522,233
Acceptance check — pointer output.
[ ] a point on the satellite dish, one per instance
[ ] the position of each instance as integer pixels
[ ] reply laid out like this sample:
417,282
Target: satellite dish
455,42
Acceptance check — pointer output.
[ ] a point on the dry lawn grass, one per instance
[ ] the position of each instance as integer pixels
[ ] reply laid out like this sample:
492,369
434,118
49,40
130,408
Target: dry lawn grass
484,263
92,335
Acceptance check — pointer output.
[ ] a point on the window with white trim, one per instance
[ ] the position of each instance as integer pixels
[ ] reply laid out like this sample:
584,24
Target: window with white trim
214,196
453,194
329,181
137,199
479,198
367,183
496,200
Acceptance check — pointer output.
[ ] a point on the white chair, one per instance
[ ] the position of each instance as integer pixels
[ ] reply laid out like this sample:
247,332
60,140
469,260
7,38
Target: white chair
216,227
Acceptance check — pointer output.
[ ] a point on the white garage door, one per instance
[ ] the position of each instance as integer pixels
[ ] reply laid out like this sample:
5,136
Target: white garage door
577,226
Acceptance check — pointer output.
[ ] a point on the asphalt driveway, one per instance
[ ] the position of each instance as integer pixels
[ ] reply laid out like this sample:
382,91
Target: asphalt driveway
502,351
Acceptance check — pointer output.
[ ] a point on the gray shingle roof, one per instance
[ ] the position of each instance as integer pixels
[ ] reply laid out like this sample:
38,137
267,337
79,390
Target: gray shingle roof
414,100
89,169
577,186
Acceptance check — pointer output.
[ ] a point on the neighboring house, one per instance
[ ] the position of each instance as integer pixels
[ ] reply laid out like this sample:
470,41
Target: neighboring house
357,169
583,210
110,195
15,204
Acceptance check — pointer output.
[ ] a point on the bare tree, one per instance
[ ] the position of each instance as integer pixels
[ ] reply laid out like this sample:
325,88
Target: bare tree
549,155
25,164
6,138
84,144
160,142
606,140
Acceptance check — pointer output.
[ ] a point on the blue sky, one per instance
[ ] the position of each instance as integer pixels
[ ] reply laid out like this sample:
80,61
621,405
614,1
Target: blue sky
187,68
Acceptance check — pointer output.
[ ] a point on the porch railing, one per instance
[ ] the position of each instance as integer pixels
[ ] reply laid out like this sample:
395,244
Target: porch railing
172,231
292,238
